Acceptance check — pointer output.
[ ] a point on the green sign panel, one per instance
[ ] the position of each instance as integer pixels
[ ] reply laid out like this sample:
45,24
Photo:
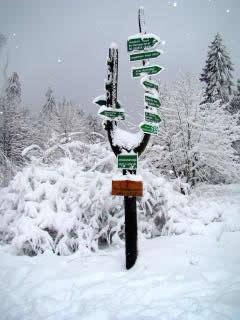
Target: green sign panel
136,72
112,114
144,55
148,84
149,128
127,161
103,102
140,43
152,101
152,117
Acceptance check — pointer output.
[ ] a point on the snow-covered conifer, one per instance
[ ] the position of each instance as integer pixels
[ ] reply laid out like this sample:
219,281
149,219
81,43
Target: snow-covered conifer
71,122
235,102
49,116
13,90
217,73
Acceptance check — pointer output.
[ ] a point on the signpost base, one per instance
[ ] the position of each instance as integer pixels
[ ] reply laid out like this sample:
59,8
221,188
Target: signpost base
130,231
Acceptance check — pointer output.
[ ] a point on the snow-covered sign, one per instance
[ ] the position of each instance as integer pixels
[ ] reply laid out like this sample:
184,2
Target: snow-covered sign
150,70
152,101
111,113
141,42
151,117
127,161
101,101
149,85
144,55
149,128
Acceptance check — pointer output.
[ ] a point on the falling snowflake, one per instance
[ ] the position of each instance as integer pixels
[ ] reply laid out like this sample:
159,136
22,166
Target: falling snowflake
59,60
228,10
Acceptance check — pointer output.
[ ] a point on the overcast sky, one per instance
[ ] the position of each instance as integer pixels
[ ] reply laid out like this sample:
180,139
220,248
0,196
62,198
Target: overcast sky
64,43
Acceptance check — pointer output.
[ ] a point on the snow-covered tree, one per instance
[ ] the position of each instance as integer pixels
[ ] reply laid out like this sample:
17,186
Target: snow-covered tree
195,140
13,90
235,102
71,121
95,130
234,108
49,116
217,73
16,129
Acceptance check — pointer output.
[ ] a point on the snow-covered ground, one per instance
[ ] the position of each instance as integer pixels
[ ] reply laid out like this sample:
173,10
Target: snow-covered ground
179,277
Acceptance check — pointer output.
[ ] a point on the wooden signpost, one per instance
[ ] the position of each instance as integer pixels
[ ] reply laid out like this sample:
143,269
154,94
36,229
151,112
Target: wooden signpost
140,47
127,188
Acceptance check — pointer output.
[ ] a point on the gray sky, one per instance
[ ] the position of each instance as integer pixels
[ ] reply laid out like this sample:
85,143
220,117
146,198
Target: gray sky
64,43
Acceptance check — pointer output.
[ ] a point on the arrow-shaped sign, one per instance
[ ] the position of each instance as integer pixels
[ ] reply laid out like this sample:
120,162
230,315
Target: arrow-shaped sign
101,101
144,55
111,114
142,42
148,128
148,84
151,117
155,69
151,101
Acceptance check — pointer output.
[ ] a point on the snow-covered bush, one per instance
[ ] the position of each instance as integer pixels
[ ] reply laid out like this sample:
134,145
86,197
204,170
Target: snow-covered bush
66,205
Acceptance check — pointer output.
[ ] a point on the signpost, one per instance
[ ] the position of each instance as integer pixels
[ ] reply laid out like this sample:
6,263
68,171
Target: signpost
140,47
127,188
112,114
151,117
149,128
127,161
151,101
139,43
149,85
155,69
144,55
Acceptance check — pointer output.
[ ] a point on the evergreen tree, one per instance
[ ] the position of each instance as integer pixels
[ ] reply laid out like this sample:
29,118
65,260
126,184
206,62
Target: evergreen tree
16,130
49,109
235,102
13,90
71,122
217,73
49,116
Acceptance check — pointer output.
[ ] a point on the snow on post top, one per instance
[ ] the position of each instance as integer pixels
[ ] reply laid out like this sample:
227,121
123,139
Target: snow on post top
127,140
114,45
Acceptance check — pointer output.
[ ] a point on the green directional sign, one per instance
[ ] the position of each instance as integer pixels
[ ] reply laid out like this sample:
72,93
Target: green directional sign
149,128
127,161
152,117
155,69
152,101
140,43
112,114
148,84
144,55
103,102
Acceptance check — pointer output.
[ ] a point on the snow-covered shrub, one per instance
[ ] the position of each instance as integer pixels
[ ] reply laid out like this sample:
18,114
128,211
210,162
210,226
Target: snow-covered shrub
66,205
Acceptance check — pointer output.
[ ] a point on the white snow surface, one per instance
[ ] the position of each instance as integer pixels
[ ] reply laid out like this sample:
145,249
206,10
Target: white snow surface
126,139
179,277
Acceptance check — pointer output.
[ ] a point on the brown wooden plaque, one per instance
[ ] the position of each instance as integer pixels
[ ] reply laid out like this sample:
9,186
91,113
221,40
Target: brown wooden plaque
127,188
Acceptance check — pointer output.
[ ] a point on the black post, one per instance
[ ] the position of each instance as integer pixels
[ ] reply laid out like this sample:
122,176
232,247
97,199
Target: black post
130,231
